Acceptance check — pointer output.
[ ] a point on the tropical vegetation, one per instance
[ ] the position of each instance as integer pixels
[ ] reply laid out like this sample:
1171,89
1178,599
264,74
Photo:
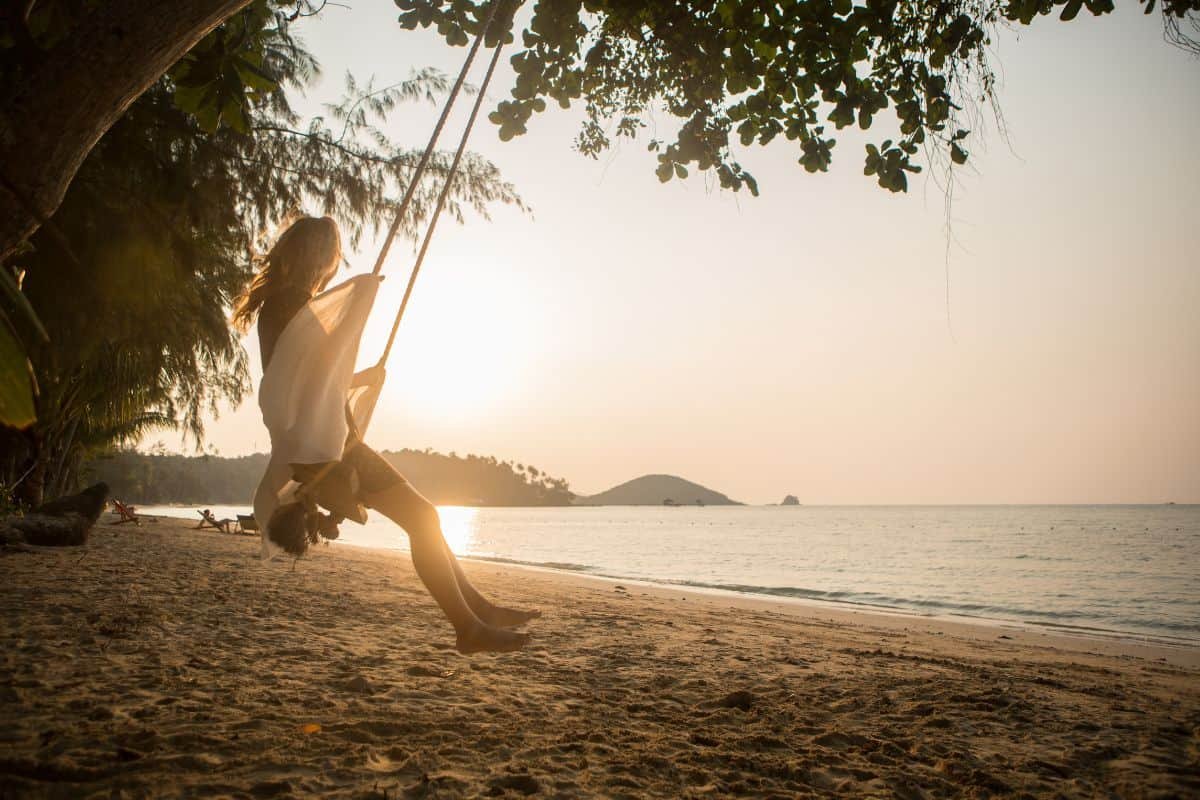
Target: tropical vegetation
446,479
743,72
133,276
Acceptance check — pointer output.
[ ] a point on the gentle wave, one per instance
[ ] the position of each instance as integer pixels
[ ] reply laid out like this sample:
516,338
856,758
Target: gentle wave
1053,619
1125,570
556,565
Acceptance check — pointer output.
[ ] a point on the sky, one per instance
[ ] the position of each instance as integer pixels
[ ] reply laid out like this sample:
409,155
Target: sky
827,339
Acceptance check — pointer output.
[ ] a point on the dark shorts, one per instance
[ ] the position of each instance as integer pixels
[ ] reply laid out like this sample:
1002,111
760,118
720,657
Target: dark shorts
375,474
349,486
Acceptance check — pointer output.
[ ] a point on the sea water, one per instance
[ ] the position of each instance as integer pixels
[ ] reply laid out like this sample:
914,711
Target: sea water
1131,570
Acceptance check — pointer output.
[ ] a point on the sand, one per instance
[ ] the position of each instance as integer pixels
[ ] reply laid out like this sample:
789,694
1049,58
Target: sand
166,661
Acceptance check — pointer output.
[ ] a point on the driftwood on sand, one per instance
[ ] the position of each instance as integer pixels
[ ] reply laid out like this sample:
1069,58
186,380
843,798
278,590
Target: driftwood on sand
65,522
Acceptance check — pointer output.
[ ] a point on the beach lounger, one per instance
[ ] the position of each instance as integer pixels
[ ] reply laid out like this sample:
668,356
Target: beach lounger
247,523
126,514
207,520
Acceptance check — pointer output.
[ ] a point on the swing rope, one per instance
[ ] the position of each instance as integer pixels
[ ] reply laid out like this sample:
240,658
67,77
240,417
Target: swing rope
402,212
372,395
418,173
441,201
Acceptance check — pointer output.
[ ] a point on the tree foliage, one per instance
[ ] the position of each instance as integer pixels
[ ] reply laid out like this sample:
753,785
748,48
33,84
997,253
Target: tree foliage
135,274
445,479
748,71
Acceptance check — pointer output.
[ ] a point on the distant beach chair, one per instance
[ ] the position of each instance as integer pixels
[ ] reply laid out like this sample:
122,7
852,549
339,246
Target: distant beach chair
126,514
246,523
207,520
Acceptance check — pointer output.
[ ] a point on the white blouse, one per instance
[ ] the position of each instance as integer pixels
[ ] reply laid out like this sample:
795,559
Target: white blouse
305,390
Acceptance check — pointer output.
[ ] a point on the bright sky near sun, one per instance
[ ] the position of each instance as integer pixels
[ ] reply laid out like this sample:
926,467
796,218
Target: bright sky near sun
815,340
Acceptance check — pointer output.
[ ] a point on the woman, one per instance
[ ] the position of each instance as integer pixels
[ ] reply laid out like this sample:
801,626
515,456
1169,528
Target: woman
296,269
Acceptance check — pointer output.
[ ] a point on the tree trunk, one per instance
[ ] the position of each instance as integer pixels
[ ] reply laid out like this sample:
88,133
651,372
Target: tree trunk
57,482
29,488
65,522
73,92
30,491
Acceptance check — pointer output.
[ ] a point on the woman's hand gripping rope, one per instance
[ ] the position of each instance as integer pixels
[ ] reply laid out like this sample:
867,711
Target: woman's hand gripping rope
341,495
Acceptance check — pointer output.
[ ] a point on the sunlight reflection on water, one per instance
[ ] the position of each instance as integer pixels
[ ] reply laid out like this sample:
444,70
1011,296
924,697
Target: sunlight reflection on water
1133,569
459,526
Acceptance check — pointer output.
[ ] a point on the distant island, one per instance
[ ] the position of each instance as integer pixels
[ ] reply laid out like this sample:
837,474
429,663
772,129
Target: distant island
657,490
790,500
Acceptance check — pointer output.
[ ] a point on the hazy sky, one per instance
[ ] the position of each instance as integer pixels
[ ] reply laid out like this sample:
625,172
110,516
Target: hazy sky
799,342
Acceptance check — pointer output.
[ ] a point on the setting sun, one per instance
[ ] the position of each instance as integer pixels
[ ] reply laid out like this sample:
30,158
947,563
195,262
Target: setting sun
459,526
464,347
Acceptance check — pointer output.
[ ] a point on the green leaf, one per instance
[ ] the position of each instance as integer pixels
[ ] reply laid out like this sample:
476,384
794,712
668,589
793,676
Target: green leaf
255,77
234,115
16,383
957,154
1071,9
10,289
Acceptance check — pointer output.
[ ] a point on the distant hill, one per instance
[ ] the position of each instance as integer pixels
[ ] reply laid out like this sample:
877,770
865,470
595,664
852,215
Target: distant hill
657,490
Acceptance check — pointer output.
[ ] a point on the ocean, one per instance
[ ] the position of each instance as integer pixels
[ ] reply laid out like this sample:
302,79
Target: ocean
1131,571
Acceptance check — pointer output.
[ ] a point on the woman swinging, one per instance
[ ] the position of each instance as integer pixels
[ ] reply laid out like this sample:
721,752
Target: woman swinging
297,268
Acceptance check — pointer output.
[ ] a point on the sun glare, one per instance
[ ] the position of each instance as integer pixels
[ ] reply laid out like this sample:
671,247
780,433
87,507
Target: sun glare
464,344
459,526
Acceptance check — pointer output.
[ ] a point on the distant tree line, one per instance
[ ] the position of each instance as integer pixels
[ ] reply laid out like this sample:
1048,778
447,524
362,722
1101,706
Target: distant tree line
159,478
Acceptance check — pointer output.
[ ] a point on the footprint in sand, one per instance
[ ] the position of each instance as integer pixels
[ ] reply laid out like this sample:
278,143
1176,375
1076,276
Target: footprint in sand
521,782
840,741
360,685
742,700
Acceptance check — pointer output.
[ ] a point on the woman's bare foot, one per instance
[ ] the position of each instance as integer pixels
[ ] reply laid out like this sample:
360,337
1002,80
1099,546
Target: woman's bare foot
490,639
503,617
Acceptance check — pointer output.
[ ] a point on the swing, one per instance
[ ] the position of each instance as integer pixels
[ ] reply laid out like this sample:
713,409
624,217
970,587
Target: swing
335,478
441,201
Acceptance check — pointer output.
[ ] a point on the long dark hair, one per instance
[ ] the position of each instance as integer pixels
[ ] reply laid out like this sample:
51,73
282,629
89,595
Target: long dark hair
305,257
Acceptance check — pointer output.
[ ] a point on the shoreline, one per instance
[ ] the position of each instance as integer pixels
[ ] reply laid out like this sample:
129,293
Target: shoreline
169,660
1176,650
1114,643
848,609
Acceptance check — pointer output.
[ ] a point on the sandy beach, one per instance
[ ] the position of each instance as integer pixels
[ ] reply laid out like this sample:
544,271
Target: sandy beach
166,661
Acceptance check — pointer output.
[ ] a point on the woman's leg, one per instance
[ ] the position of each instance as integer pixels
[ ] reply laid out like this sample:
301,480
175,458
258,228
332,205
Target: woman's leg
420,518
485,609
386,491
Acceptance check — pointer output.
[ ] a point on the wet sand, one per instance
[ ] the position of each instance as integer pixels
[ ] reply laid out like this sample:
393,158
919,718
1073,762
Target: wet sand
166,661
